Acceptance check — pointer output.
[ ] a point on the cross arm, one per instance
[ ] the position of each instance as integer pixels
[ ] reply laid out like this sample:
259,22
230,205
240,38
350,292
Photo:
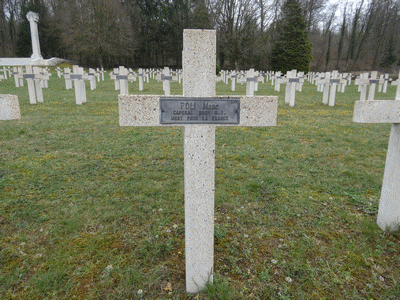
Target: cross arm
377,111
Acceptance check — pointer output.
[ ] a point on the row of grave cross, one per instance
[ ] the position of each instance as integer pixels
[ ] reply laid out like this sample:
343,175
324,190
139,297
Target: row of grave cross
122,76
328,83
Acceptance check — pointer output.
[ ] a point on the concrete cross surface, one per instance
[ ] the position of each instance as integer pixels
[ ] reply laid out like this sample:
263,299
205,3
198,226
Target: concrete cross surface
386,111
199,111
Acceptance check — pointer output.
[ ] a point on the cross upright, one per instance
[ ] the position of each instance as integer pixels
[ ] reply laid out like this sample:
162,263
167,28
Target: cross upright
199,111
385,111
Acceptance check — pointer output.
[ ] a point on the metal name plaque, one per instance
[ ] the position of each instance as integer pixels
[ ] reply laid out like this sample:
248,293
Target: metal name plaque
75,76
199,111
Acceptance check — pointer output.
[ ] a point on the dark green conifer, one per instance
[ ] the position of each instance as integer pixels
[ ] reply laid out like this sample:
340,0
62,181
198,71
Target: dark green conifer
292,49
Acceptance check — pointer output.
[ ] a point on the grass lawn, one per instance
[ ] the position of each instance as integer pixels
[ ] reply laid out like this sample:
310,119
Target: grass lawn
91,210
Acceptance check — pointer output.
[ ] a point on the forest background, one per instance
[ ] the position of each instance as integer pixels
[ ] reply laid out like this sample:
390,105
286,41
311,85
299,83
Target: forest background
348,36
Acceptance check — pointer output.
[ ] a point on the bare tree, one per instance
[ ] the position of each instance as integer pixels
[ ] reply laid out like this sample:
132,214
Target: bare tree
96,32
313,12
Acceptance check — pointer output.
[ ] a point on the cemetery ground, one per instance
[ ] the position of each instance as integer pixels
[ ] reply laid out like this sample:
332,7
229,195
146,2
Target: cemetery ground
92,210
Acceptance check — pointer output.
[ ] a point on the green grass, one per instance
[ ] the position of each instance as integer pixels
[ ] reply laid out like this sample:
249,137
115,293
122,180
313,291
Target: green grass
91,210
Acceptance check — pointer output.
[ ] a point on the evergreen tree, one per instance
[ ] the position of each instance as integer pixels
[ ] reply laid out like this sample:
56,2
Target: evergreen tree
389,57
292,49
201,18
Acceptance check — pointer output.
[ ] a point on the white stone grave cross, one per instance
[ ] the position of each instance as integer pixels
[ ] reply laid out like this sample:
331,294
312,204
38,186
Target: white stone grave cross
344,78
38,79
4,73
78,77
166,78
299,85
329,85
334,81
278,77
251,80
199,111
233,81
123,77
33,78
140,75
67,77
364,81
45,77
385,83
92,78
18,80
101,72
59,72
382,87
385,111
323,83
397,83
290,93
113,76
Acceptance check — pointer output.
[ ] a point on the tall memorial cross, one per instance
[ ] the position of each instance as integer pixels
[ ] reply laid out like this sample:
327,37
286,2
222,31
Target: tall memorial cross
199,111
385,111
33,19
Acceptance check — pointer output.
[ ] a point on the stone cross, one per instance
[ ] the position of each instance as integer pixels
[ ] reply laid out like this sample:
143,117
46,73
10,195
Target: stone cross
199,111
329,85
291,81
18,80
278,77
140,75
364,81
123,76
78,77
113,76
92,78
5,73
233,81
166,78
67,77
251,80
33,78
397,83
385,111
33,18
59,72
382,88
